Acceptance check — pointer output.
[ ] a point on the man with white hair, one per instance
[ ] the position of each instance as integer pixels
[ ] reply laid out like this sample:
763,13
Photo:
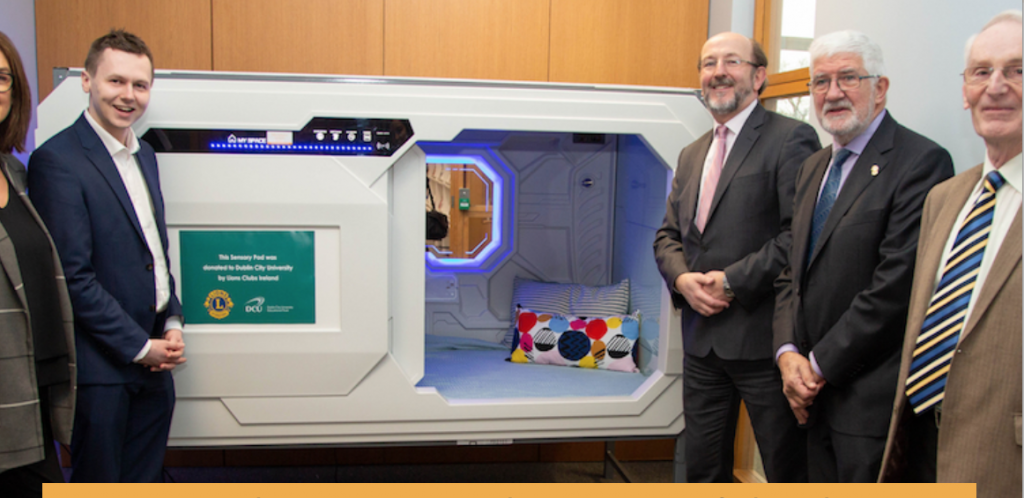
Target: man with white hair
841,304
957,415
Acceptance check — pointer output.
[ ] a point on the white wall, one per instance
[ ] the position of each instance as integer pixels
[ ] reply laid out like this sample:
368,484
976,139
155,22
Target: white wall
923,45
18,22
731,15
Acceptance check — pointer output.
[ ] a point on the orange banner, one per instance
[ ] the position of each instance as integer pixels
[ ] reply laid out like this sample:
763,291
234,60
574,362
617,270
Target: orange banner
506,490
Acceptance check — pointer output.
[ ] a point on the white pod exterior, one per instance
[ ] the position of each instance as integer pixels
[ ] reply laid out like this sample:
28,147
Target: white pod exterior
581,176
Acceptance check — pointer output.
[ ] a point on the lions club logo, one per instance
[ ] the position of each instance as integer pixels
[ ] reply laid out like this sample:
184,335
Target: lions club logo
218,304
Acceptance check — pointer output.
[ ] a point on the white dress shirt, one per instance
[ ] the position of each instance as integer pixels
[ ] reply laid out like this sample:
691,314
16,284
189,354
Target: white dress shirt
131,175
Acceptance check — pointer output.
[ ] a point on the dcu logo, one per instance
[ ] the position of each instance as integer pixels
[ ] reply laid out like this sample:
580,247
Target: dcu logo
218,304
255,305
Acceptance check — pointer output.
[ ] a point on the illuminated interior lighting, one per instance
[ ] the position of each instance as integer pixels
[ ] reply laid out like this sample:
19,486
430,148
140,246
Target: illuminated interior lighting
482,242
497,222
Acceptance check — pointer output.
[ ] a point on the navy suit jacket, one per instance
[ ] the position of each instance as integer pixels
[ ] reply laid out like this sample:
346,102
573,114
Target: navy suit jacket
849,305
78,192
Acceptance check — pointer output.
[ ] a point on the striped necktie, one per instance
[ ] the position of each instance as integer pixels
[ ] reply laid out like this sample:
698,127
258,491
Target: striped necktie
947,310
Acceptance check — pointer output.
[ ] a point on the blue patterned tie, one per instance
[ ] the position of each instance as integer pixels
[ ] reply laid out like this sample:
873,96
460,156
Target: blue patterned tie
827,199
947,310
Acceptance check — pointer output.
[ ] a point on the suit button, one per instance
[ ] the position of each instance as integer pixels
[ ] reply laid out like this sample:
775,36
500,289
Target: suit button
803,345
149,267
152,307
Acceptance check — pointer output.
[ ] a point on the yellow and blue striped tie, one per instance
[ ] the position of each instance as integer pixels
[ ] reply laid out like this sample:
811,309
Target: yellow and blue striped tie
947,310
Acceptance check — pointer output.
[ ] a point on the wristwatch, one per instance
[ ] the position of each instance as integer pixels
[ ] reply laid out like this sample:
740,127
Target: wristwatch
727,288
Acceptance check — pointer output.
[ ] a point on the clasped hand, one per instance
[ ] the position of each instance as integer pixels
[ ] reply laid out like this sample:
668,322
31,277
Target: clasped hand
703,291
800,383
165,354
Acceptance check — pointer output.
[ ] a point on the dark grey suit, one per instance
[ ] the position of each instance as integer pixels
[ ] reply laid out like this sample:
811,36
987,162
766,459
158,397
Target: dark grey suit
849,305
729,355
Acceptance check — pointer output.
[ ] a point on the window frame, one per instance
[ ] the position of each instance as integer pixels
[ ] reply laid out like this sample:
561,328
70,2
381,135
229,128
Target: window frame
767,32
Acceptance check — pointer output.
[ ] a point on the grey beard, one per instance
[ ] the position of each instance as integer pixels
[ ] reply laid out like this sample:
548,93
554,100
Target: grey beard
725,107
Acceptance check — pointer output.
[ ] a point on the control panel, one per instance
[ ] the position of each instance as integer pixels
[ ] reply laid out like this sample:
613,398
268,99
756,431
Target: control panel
321,136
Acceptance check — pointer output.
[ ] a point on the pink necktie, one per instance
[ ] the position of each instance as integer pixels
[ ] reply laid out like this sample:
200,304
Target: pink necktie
711,182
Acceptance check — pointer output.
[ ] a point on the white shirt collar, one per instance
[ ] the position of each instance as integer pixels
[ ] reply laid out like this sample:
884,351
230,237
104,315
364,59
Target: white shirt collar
112,144
1011,171
736,123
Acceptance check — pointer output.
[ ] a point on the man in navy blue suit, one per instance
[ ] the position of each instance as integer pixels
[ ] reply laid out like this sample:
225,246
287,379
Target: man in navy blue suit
97,188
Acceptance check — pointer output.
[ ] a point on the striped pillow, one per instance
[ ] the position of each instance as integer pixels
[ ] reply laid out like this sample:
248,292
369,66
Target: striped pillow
567,299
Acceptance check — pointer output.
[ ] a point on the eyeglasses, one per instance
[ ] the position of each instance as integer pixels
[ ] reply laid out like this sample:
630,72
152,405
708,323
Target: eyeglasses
977,76
730,63
848,81
6,81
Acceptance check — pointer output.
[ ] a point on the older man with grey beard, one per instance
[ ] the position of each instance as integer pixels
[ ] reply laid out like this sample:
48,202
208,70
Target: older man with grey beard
841,304
724,240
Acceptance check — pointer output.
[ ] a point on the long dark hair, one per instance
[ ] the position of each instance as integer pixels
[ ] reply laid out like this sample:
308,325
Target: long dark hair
14,129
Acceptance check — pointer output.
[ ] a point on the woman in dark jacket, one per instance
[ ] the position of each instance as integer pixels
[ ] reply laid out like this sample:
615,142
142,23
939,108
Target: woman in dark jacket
37,347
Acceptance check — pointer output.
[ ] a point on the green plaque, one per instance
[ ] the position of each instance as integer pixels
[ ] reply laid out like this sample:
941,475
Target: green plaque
248,277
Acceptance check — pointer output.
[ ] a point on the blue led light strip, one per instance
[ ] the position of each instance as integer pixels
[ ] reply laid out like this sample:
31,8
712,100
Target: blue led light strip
236,147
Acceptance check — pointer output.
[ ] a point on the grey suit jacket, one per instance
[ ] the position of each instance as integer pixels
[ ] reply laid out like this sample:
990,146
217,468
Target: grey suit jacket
21,433
849,305
980,431
746,235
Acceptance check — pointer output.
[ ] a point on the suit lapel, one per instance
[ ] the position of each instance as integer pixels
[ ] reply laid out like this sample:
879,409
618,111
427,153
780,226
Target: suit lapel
100,158
939,232
691,191
861,175
740,149
1008,258
805,211
149,173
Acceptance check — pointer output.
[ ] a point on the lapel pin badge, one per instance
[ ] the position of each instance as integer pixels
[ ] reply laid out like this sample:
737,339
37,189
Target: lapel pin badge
874,170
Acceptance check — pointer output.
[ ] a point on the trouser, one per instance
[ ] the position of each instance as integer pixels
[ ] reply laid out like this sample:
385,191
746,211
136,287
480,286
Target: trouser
837,457
120,432
712,391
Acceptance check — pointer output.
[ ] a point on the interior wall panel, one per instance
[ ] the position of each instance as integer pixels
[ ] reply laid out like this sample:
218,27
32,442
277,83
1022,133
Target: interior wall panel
178,32
640,42
311,36
484,39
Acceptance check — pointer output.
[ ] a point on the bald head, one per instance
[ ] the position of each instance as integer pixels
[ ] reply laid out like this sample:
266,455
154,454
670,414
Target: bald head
732,74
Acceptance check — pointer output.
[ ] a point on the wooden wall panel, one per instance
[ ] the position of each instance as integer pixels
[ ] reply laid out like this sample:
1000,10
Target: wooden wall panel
483,39
311,36
639,42
178,32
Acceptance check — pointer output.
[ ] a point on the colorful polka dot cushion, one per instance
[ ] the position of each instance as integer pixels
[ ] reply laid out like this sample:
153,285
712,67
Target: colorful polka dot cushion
608,342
